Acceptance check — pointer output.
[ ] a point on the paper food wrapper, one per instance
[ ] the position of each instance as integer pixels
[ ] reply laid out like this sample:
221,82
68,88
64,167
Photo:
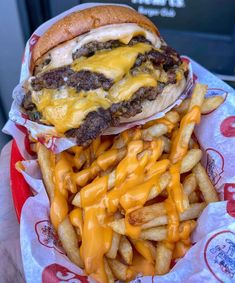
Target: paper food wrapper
210,259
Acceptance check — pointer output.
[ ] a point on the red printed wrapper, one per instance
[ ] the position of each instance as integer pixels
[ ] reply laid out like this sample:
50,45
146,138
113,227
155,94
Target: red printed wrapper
210,259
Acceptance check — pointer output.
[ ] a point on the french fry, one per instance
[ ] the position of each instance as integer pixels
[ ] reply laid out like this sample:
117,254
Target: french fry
160,233
205,185
183,107
125,250
118,226
145,248
211,103
192,212
193,198
88,160
75,217
112,252
182,137
154,234
79,159
180,250
154,131
108,272
186,228
146,213
163,258
102,163
105,145
155,191
198,95
163,183
45,161
189,184
119,269
172,116
192,157
69,241
95,145
167,144
193,144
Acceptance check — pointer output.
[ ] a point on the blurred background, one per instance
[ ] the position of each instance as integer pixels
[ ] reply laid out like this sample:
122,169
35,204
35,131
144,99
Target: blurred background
201,29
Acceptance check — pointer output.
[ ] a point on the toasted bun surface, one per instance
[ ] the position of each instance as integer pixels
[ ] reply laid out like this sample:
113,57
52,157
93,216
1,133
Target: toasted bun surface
80,22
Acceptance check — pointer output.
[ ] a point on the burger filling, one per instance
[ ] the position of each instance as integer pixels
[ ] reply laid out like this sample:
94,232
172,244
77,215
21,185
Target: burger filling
105,81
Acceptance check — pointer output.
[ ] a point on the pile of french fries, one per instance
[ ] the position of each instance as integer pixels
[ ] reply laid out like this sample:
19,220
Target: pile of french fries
145,187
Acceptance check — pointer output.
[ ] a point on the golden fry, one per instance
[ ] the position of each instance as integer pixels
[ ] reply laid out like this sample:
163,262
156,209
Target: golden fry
112,252
189,184
211,103
108,272
205,185
69,241
192,157
119,269
125,250
164,254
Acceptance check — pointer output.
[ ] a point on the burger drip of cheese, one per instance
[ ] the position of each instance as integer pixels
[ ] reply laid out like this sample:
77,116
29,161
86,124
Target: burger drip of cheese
89,76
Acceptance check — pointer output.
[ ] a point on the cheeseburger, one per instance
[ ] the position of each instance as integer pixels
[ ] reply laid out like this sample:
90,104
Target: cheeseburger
98,68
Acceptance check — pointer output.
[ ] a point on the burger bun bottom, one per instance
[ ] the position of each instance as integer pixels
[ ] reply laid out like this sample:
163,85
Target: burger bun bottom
168,96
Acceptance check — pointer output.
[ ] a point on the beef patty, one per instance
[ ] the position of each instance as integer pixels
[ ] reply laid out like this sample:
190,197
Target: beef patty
97,121
86,80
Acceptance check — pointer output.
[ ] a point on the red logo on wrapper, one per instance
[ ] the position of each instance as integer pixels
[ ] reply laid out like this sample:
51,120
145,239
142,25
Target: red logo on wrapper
32,41
219,255
214,165
56,273
231,208
48,141
47,235
27,142
229,191
227,127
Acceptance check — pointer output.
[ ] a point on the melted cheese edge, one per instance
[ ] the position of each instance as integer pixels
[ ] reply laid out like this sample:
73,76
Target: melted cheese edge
114,64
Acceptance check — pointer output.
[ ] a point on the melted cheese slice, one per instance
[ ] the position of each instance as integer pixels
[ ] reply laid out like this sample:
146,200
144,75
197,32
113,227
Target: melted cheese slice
66,109
114,64
124,89
67,112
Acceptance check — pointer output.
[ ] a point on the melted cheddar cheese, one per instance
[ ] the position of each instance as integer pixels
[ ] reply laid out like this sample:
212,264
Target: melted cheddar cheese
114,64
61,55
124,89
96,242
66,109
68,112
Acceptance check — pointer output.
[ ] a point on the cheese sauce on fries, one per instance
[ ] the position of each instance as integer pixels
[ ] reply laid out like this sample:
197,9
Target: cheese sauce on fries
100,189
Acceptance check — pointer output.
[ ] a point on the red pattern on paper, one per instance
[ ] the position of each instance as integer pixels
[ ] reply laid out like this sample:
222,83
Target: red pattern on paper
56,273
32,41
212,169
47,236
227,127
